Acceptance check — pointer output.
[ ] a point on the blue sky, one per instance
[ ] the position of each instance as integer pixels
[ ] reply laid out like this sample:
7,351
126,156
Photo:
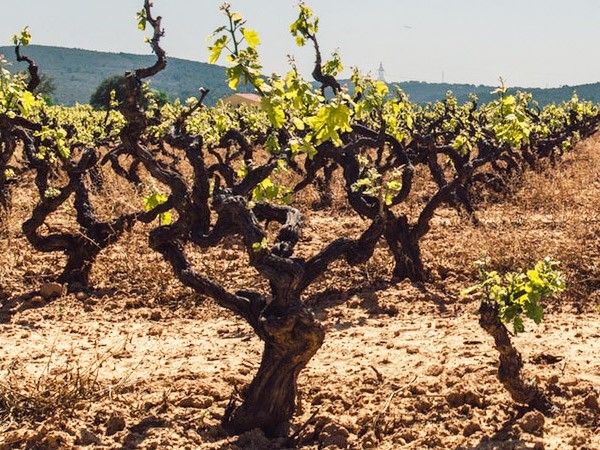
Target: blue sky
530,43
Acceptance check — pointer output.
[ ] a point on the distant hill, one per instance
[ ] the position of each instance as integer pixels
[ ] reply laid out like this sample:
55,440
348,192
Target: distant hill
421,92
77,73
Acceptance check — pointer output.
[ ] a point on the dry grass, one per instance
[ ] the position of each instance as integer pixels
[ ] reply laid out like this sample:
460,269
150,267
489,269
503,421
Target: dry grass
556,212
64,385
57,390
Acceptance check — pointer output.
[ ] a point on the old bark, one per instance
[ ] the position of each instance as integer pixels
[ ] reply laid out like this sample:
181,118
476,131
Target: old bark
405,249
94,235
291,340
511,363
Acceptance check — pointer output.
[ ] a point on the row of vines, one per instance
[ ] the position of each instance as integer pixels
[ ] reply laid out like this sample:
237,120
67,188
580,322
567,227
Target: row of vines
217,173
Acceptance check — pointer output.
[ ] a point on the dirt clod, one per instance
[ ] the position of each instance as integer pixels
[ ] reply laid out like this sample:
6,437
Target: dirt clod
458,398
87,437
37,300
334,435
200,402
56,440
115,423
51,290
471,429
532,422
591,402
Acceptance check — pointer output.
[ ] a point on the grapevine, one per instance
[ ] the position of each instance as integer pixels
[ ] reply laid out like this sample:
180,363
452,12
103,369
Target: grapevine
215,175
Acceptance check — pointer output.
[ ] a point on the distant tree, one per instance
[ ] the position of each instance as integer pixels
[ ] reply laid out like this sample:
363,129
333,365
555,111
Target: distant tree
161,97
46,88
100,99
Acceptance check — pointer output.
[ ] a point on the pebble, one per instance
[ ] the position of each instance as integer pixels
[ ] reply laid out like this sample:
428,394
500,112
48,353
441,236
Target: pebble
50,290
532,422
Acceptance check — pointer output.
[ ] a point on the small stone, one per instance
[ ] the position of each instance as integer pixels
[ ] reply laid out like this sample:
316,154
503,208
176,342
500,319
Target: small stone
37,300
591,402
156,316
472,399
458,398
115,424
155,330
334,435
56,440
579,391
471,428
50,290
201,402
435,370
569,381
423,406
244,370
553,379
455,399
532,422
81,296
86,437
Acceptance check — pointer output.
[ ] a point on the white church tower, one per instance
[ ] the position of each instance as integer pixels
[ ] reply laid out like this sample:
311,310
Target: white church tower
381,73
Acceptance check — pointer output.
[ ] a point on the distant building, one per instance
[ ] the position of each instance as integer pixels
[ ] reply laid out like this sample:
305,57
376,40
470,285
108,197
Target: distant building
381,72
242,99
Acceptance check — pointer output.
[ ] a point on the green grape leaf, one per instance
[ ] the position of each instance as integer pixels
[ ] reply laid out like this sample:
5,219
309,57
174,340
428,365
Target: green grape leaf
251,37
394,185
298,123
274,110
24,38
519,294
330,120
152,201
51,193
234,74
236,18
142,19
389,199
28,102
217,48
261,246
518,326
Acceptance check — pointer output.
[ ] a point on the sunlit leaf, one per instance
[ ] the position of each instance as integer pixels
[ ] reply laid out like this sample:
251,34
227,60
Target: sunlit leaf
251,37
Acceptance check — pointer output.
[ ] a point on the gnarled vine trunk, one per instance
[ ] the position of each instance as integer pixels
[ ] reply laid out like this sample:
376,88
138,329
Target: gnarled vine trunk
291,340
405,249
511,363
